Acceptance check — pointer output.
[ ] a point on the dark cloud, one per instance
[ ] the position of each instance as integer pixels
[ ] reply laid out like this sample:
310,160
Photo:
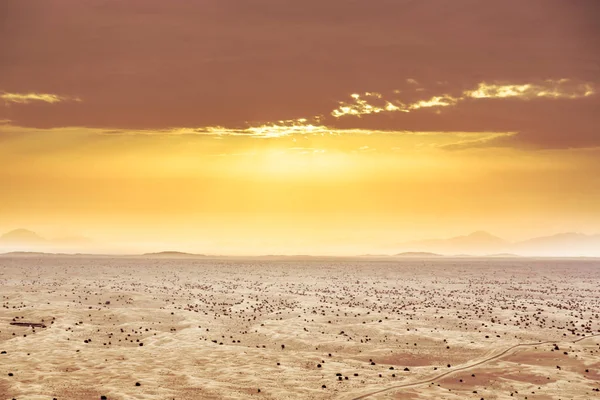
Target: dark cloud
159,64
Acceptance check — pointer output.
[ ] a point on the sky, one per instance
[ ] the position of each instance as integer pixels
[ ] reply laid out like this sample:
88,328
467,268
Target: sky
287,127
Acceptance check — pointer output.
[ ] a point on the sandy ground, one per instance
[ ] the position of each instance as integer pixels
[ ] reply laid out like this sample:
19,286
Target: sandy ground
312,329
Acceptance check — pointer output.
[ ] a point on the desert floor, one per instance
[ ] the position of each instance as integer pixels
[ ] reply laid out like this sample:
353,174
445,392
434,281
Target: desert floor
448,328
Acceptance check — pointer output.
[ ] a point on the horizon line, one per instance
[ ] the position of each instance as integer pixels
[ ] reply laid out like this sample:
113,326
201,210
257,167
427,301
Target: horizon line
405,255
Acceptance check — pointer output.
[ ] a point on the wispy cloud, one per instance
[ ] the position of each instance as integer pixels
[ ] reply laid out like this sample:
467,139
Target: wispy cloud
559,89
307,139
374,103
479,141
436,101
281,128
361,106
26,98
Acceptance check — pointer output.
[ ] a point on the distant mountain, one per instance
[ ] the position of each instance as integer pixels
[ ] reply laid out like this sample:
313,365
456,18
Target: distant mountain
560,238
42,254
562,244
481,243
418,254
39,254
22,236
476,243
26,254
25,240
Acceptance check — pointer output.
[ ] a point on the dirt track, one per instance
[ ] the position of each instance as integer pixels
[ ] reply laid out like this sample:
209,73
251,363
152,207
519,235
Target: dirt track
465,368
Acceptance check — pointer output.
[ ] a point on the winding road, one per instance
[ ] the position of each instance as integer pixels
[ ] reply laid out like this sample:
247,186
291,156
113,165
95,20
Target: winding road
466,367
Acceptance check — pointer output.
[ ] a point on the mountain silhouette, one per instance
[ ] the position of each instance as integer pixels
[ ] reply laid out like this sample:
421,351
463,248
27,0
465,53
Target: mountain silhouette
562,244
478,242
22,236
29,241
417,254
174,254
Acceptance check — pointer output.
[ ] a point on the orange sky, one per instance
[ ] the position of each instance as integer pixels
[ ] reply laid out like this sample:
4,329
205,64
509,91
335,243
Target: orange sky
329,127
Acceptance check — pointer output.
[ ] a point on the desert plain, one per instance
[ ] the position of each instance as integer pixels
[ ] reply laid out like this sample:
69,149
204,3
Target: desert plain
298,328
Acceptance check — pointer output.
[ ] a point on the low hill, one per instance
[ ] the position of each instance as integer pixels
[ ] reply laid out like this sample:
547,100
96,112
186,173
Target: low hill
417,254
172,254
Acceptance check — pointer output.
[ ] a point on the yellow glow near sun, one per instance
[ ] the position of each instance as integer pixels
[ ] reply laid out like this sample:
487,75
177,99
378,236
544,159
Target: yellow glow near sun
286,128
299,163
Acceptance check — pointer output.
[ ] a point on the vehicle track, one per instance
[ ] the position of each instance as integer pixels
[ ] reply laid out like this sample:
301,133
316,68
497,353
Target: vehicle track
466,367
